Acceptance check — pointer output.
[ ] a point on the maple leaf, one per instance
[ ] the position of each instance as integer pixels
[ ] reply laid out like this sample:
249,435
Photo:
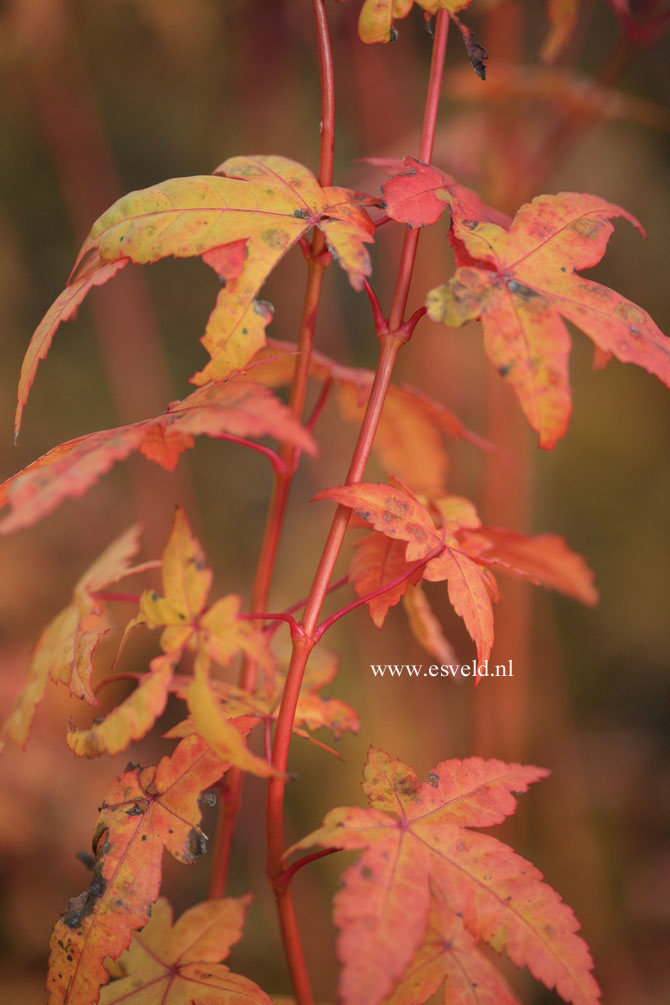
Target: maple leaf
65,648
182,610
241,220
180,964
145,811
449,956
399,515
132,719
418,844
521,283
562,20
215,633
237,408
418,194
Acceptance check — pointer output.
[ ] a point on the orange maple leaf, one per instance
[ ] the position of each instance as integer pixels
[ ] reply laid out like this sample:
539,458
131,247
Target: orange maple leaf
418,845
409,531
521,283
145,811
238,408
418,194
450,956
399,515
180,964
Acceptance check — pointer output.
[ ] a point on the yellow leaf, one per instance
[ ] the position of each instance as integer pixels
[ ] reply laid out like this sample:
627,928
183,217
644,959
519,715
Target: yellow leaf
168,964
131,720
211,724
224,634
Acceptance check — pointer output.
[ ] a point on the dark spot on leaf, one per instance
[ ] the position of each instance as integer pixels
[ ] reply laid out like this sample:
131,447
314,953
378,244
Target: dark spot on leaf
79,907
525,292
366,872
144,837
273,237
588,227
86,859
432,778
301,214
196,843
135,811
504,369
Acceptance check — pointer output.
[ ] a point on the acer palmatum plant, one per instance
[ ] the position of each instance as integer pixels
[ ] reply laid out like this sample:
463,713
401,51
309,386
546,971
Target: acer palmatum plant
428,891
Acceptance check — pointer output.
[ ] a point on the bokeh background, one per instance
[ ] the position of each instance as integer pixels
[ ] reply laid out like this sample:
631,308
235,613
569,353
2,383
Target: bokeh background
97,99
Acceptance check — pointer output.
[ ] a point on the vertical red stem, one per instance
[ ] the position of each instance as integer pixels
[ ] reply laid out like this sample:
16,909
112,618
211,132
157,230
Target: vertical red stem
390,345
288,454
410,244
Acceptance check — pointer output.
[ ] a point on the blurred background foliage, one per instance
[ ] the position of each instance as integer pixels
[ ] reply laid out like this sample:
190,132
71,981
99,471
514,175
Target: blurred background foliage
97,99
